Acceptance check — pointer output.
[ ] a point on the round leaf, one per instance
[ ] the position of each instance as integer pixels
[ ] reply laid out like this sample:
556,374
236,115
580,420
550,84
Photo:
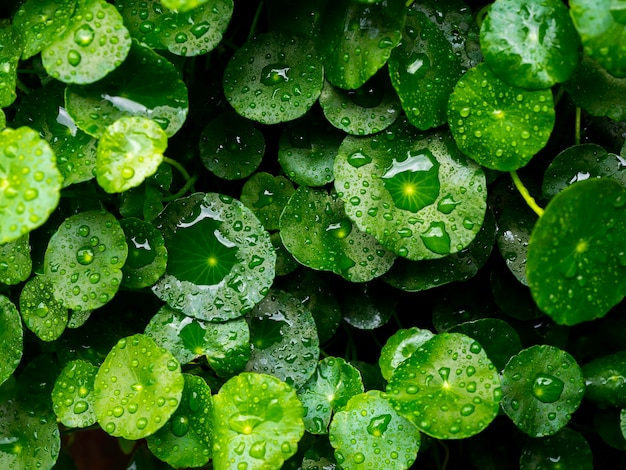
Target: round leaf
29,182
88,250
316,231
72,397
220,258
448,387
576,256
357,39
604,383
399,348
147,256
188,33
538,383
231,147
329,390
257,422
144,85
9,57
579,163
266,196
602,28
369,433
186,439
530,44
15,261
41,22
130,150
417,195
94,43
499,126
283,339
307,150
11,338
137,388
566,449
424,70
273,78
369,109
41,312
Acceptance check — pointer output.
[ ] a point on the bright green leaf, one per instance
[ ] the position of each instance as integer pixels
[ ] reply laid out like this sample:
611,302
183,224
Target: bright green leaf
41,312
15,261
576,256
72,397
399,348
9,57
183,6
133,398
266,196
542,386
11,338
147,256
499,126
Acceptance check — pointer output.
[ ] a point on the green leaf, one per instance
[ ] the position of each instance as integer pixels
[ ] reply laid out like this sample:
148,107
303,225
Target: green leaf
307,150
357,39
133,398
220,258
329,390
183,6
369,109
413,276
147,255
604,383
283,339
416,194
29,182
186,439
369,433
498,125
576,257
15,261
530,44
41,312
448,387
497,337
231,147
566,449
424,70
399,348
88,250
226,345
189,33
578,163
144,85
11,338
257,421
602,31
28,439
130,150
9,57
94,43
538,383
266,196
316,231
72,397
596,91
41,22
273,78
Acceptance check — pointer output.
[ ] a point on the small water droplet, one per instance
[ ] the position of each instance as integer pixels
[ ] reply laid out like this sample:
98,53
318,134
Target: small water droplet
74,57
467,410
80,407
142,423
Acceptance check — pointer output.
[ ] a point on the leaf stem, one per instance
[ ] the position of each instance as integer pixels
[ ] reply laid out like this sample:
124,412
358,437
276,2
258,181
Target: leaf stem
525,194
255,20
178,166
20,85
189,180
577,127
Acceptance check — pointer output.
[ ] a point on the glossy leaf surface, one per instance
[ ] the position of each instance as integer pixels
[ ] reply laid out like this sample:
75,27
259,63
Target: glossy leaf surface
267,195
567,448
12,344
72,395
41,312
399,348
220,258
538,383
15,261
576,257
147,256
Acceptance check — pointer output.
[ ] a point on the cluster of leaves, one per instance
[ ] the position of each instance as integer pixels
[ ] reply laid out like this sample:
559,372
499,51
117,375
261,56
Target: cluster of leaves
210,213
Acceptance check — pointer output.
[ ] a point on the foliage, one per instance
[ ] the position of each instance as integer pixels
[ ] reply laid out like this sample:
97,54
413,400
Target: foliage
295,234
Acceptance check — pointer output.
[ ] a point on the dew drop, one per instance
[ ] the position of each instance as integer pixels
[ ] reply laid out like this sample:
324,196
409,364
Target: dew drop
142,423
73,57
85,255
547,388
127,172
467,410
358,159
179,426
359,457
436,238
275,74
80,407
84,35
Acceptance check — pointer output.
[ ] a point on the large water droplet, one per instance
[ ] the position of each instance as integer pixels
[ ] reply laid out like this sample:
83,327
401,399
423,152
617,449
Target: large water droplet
547,388
275,74
73,57
340,229
359,457
436,238
85,255
142,423
84,35
447,204
378,424
358,159
200,29
258,449
179,426
467,410
80,407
